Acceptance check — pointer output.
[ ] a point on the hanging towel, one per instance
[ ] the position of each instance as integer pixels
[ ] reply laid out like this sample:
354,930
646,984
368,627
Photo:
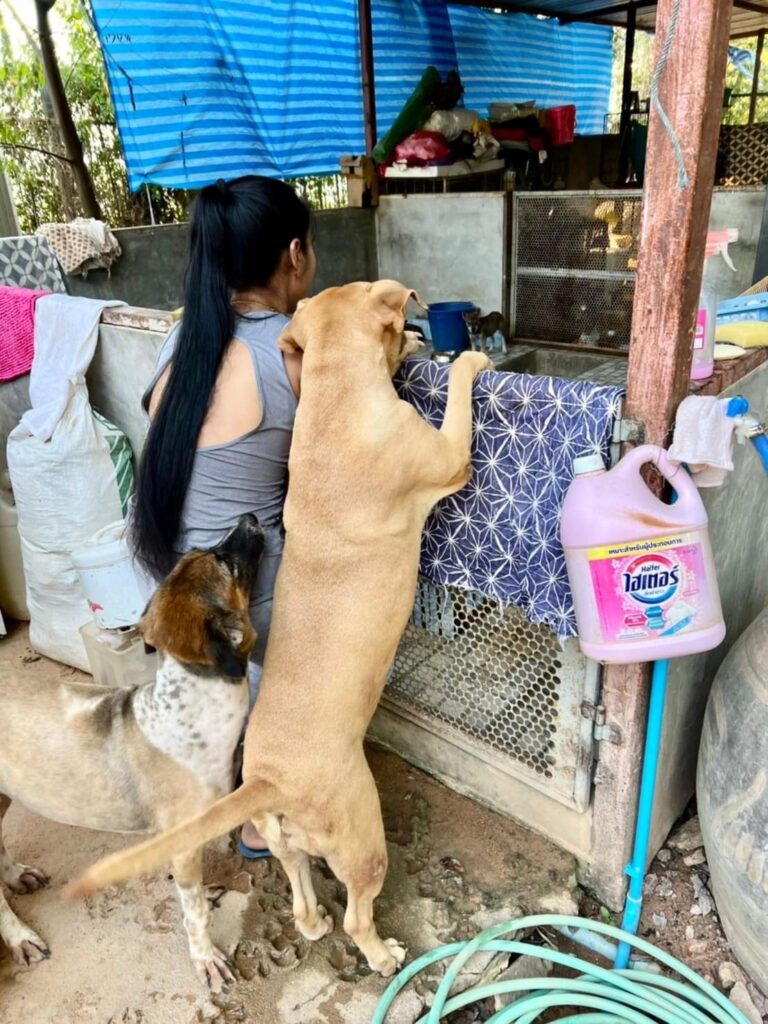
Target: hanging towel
703,439
499,535
66,333
82,245
17,322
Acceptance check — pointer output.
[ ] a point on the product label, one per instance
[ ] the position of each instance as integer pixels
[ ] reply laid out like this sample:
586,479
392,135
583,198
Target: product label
701,330
648,588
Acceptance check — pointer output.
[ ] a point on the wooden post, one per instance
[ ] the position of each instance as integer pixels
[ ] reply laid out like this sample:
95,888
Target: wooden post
671,257
675,218
366,65
756,76
69,136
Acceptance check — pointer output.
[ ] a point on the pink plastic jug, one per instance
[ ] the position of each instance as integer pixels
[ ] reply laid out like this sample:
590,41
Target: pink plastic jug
641,571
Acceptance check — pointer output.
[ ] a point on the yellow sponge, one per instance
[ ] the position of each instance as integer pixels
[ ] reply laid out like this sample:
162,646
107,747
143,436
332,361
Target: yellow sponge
747,333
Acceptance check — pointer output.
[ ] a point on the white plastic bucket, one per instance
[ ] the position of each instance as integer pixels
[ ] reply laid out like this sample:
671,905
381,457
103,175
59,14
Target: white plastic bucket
13,590
108,578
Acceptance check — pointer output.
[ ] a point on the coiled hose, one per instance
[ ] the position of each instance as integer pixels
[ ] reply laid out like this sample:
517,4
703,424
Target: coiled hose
607,996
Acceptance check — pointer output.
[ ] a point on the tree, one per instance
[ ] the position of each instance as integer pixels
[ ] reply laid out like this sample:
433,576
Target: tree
32,151
72,144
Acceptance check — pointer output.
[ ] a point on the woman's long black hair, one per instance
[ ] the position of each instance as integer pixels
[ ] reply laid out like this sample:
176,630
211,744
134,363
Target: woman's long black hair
240,230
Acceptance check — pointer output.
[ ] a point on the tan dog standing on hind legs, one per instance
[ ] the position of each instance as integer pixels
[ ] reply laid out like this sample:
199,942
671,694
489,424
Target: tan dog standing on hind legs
141,758
365,470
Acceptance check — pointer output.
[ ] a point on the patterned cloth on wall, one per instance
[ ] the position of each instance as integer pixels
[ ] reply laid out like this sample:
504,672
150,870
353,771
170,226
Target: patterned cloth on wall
27,261
499,536
82,245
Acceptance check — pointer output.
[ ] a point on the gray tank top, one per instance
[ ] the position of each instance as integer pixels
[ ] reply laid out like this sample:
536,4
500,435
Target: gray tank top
249,473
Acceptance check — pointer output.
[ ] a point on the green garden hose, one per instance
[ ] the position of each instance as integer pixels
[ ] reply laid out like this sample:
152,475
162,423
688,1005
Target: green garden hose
599,995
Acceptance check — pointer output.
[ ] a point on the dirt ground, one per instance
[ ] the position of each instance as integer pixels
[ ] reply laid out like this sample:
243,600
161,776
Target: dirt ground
120,957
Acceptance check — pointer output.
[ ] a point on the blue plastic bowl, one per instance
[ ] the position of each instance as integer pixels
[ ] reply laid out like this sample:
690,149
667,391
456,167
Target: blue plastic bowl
447,327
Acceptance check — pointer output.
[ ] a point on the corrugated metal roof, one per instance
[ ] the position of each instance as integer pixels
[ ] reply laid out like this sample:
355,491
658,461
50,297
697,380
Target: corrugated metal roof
749,16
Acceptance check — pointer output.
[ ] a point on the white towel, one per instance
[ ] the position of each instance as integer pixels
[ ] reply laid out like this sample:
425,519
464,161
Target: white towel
703,440
66,334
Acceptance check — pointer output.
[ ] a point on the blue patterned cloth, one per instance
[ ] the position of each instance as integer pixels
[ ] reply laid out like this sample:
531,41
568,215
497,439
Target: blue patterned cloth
499,535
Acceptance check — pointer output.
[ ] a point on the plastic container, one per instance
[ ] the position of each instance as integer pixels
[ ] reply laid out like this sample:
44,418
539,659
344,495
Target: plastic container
743,308
13,591
561,124
108,579
703,361
641,571
117,656
447,326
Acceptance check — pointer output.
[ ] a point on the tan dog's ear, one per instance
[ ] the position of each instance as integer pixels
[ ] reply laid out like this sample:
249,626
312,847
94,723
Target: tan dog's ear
393,298
287,342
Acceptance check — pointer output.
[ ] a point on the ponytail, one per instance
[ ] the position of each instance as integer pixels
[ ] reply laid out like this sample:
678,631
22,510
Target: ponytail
239,233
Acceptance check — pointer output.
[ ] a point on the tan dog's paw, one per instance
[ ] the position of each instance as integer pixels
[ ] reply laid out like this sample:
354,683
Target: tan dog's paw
22,879
214,971
317,927
477,361
26,946
387,966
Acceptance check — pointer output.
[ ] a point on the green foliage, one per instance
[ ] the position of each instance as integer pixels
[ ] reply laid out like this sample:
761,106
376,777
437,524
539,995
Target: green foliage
29,138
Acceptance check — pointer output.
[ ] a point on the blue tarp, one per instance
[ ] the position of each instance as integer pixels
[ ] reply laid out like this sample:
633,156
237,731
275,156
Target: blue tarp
216,88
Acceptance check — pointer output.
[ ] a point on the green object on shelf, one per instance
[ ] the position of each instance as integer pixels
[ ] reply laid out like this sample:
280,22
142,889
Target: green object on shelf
413,116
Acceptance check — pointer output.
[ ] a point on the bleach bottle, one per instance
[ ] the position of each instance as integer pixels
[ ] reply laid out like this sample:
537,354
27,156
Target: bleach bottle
641,571
703,362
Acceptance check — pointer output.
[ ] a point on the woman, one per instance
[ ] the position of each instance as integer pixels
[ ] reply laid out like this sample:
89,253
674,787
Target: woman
223,398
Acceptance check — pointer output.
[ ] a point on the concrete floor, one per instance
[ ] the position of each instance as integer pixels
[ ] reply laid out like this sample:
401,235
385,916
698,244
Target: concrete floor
121,956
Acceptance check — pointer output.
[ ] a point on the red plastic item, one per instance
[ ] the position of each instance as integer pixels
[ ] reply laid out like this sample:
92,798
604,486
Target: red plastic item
561,123
422,148
509,134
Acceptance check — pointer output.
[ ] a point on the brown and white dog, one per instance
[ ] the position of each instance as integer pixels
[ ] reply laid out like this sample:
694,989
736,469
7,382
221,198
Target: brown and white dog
141,759
364,469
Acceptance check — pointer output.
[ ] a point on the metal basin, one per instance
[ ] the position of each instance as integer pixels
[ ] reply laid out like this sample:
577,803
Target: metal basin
558,362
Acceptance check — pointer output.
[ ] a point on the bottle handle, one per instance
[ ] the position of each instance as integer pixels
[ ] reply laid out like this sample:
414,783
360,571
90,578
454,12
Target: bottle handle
655,455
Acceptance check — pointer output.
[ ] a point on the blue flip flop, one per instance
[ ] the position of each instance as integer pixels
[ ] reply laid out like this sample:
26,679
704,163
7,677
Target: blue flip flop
249,853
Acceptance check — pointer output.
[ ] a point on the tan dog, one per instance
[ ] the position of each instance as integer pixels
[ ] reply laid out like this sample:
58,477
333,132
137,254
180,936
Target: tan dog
141,759
365,469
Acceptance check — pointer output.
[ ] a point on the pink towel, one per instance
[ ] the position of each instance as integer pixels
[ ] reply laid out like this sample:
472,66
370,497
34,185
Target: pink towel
17,330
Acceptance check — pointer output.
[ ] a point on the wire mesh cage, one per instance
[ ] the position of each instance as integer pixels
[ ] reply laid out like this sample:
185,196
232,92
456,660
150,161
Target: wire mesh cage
742,155
574,256
498,686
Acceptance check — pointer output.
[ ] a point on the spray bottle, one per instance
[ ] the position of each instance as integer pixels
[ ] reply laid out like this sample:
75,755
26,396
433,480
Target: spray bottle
703,363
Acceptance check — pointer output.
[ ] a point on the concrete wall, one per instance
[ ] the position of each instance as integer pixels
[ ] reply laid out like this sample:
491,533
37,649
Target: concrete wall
115,393
741,209
445,246
9,222
150,271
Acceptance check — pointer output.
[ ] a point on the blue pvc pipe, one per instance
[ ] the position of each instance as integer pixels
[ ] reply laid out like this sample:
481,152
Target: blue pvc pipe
760,441
636,869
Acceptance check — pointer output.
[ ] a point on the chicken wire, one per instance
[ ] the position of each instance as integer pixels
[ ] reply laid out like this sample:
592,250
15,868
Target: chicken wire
484,678
573,259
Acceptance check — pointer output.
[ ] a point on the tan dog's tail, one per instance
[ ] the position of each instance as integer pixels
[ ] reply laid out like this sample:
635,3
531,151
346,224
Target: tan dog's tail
227,813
